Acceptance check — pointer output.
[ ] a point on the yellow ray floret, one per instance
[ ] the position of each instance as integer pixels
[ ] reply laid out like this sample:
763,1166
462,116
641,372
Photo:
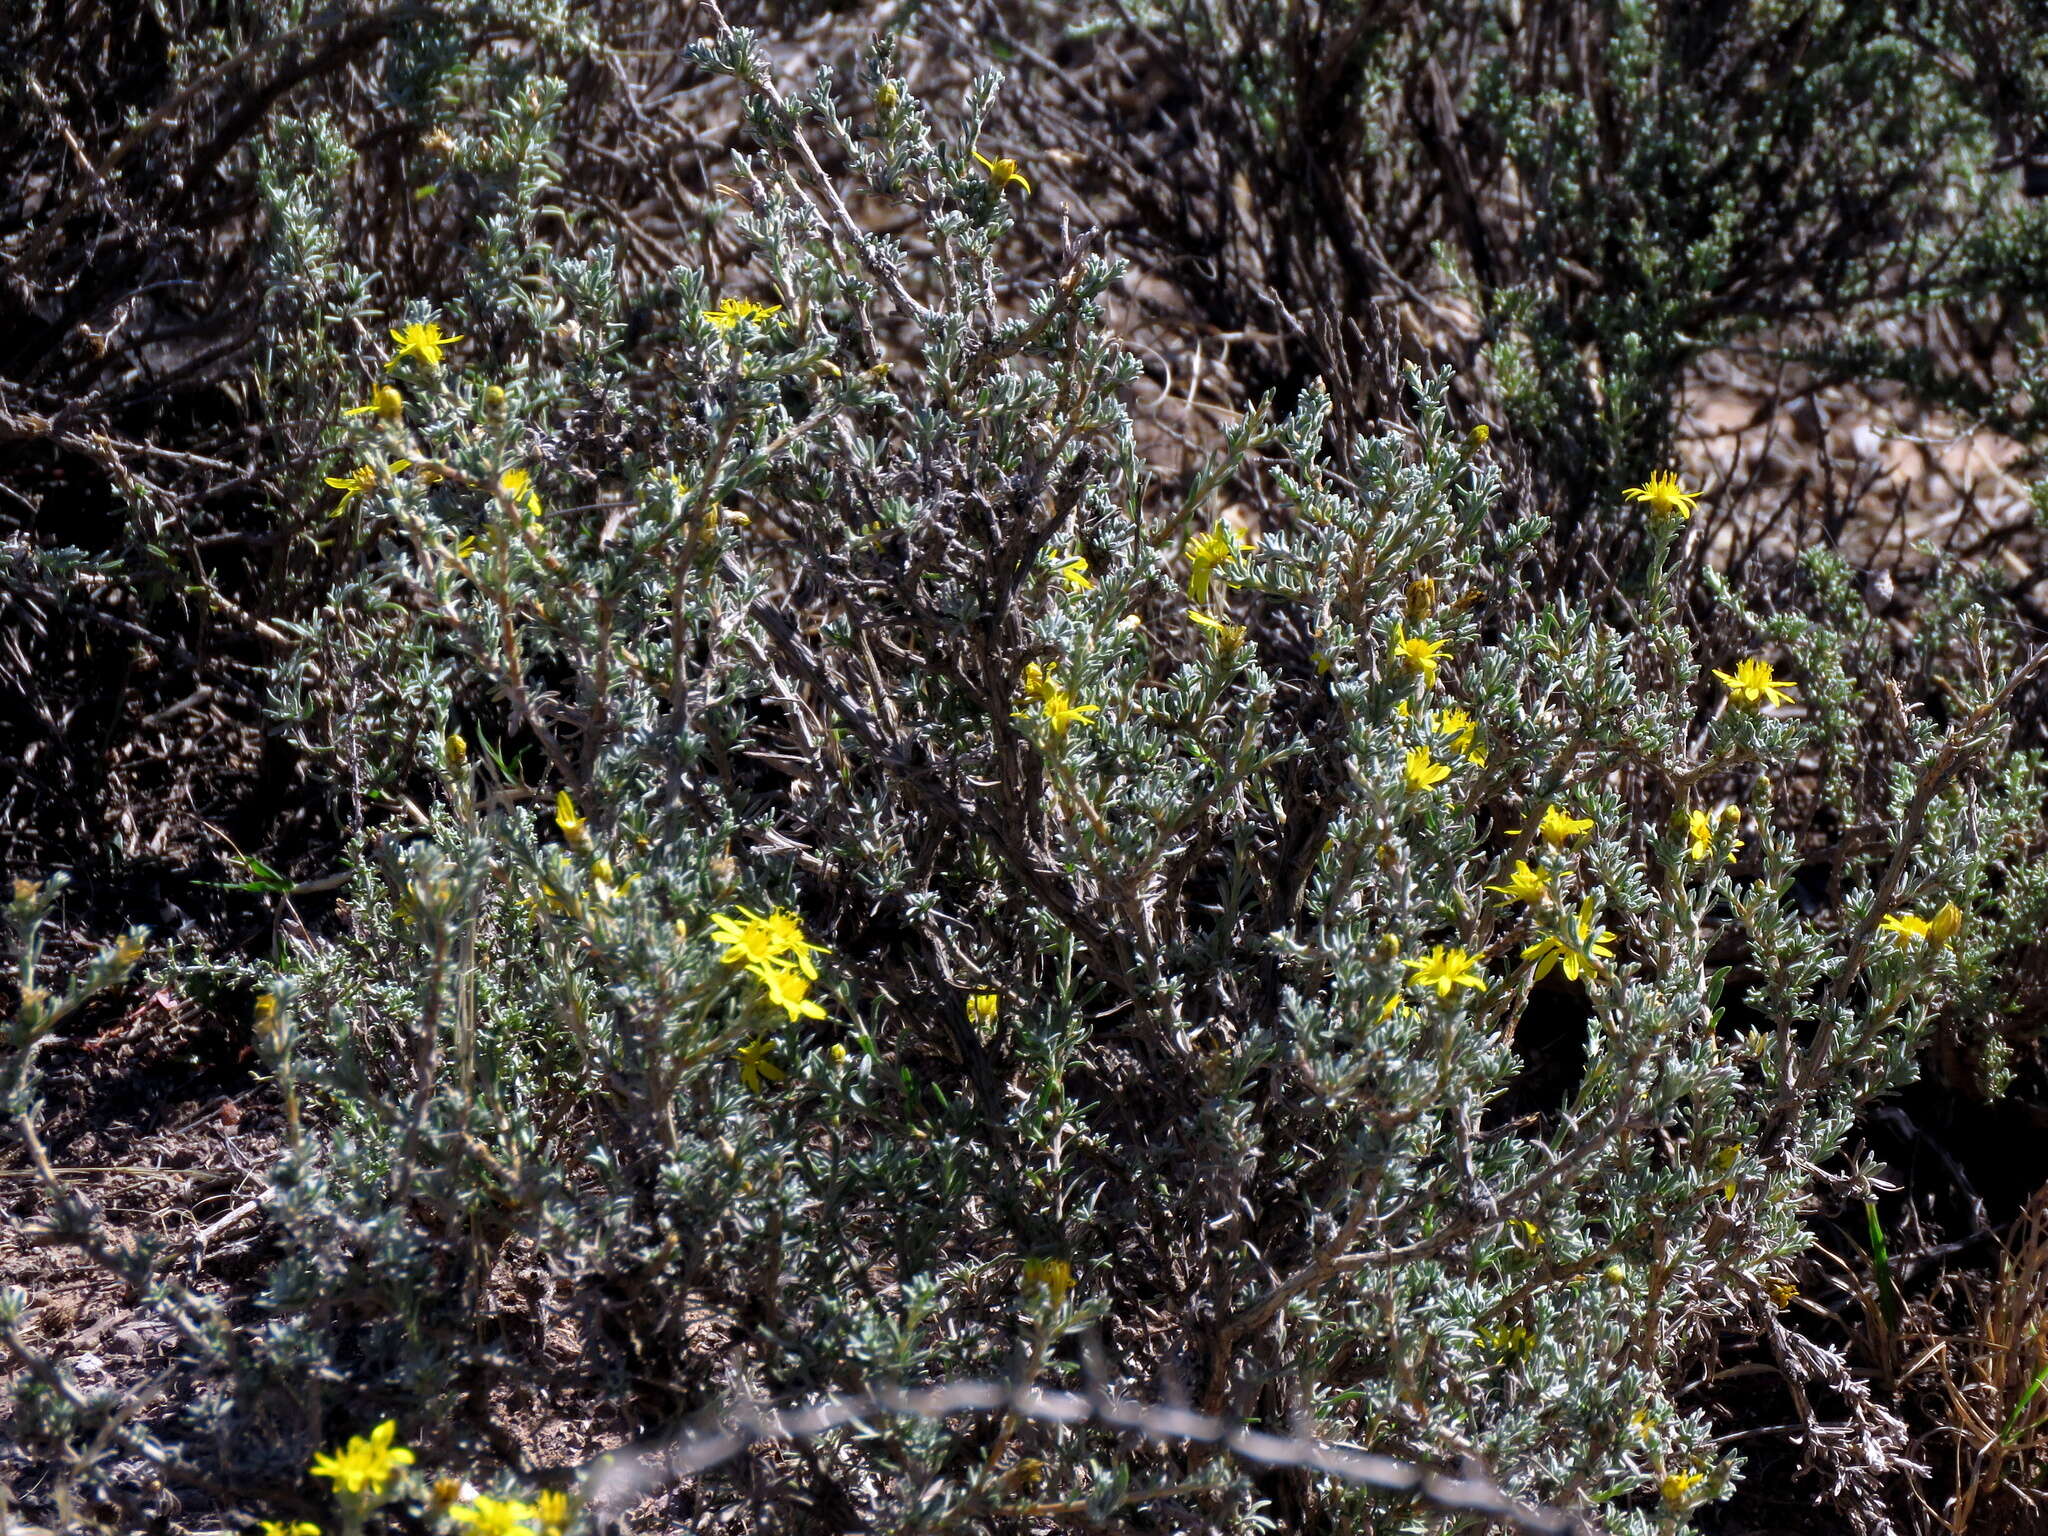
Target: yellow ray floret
1206,551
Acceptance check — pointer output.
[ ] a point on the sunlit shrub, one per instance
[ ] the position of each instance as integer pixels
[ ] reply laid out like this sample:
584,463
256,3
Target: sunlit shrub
852,884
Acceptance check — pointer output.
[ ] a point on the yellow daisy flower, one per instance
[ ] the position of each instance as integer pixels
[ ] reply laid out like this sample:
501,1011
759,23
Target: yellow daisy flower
1752,686
1463,731
1525,884
789,990
364,477
1445,970
732,311
387,402
1421,771
516,485
1002,174
1699,835
1557,827
1575,959
367,1464
423,341
1419,656
757,1068
1665,497
486,1516
1206,551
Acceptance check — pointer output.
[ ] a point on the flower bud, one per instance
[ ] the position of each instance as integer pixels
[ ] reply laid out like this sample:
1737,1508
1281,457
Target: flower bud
1421,598
1944,925
575,830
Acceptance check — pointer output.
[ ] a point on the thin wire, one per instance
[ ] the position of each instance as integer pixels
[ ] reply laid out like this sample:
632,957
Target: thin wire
617,1478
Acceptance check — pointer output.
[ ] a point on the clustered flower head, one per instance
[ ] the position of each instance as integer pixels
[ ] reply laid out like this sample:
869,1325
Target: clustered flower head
1051,1278
1229,636
424,341
1446,970
1699,834
1909,930
363,1472
1575,957
1510,1342
1753,686
1557,828
757,1067
367,1464
516,486
1419,656
1206,551
1055,706
364,477
775,951
1463,732
1525,884
1666,498
731,312
486,1516
551,1508
1423,772
1674,1486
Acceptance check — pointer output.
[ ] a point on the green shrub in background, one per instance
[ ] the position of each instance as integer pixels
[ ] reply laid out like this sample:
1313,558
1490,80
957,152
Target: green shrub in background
853,885
1574,201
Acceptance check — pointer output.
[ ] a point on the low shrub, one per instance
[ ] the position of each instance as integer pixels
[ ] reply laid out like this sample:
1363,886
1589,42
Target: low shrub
851,886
